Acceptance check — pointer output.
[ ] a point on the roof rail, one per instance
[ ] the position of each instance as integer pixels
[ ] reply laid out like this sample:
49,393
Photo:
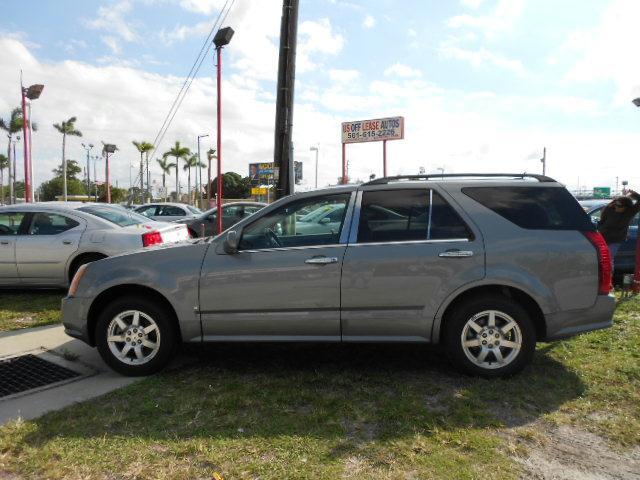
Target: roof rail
385,180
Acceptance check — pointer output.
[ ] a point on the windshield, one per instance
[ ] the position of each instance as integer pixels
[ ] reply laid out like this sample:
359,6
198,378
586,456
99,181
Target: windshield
120,217
194,210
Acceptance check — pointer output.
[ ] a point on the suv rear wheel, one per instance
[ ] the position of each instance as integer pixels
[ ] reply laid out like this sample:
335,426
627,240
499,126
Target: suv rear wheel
134,336
490,336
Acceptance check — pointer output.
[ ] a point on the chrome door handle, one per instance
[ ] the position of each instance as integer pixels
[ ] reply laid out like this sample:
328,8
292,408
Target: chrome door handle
4,242
321,260
67,242
456,254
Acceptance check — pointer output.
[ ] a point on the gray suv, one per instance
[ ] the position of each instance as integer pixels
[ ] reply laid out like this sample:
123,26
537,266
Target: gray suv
486,265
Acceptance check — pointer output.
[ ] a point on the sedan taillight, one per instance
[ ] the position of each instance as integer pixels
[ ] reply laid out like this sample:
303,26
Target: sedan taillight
151,238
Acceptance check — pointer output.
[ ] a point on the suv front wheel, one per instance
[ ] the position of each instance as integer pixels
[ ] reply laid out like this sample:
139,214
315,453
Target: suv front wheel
134,336
491,336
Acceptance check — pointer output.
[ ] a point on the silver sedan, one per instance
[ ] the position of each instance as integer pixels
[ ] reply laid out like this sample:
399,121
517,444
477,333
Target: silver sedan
44,244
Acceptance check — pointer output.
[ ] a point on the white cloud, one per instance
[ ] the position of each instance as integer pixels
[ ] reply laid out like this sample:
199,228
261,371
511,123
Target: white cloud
401,70
369,21
473,4
482,58
607,52
112,19
503,18
205,7
343,76
316,37
112,43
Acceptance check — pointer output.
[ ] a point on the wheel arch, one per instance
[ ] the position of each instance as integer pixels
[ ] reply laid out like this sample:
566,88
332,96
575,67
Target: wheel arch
78,258
507,291
110,294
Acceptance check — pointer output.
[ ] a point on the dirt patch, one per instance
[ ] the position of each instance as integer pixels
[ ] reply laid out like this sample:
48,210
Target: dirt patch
569,453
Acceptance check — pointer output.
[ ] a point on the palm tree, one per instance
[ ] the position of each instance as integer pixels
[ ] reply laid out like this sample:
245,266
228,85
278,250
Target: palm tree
178,152
144,148
166,167
66,128
4,163
191,162
12,127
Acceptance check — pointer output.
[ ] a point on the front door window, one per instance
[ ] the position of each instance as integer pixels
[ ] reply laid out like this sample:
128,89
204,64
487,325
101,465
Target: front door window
305,222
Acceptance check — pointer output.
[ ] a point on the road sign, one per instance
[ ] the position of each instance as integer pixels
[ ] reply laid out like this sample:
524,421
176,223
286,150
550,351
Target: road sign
259,191
375,130
602,192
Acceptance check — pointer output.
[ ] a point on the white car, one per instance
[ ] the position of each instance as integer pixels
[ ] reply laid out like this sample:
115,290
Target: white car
167,212
44,244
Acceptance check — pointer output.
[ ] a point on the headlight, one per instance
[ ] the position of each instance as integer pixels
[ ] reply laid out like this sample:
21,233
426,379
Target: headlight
73,288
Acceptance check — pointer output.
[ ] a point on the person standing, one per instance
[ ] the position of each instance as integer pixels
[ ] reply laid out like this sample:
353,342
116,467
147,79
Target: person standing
615,219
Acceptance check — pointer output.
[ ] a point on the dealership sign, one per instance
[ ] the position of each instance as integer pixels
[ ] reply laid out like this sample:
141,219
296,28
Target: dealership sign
376,130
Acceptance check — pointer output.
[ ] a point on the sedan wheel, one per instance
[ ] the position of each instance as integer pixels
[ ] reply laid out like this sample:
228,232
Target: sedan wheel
135,336
490,336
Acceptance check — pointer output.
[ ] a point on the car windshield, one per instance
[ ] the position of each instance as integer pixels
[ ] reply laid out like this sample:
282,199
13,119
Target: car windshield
194,210
120,217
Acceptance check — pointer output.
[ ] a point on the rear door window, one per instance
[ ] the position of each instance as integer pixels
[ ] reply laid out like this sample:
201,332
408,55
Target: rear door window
170,211
408,215
536,208
50,224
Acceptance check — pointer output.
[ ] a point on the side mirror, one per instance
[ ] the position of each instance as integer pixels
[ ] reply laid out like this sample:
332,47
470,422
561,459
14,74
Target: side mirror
231,242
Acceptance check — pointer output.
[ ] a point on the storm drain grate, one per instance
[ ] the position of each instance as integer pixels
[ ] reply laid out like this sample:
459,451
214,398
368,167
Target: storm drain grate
19,374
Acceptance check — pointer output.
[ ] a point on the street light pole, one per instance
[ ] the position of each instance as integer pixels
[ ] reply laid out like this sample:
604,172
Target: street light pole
543,160
199,173
316,149
107,149
222,38
32,93
88,149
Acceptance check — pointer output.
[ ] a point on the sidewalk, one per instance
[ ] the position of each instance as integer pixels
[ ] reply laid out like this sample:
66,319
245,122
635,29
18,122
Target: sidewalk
52,344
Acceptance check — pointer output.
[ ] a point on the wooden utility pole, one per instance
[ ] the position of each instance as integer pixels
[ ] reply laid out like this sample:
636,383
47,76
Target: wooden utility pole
283,148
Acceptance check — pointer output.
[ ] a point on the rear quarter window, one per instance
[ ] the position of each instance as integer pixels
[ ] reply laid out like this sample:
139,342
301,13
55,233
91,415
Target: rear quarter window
536,208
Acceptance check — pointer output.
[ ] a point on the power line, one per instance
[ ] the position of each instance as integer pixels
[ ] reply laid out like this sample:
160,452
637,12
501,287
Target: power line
206,47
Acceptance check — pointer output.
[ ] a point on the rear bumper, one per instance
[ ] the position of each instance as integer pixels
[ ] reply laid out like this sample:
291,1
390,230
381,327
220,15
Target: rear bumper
74,318
567,324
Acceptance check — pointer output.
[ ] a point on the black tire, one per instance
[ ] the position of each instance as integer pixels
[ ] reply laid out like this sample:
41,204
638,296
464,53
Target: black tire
83,260
455,326
166,337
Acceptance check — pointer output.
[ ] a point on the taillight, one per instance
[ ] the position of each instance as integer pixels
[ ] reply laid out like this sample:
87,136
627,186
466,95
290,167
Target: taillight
151,238
605,273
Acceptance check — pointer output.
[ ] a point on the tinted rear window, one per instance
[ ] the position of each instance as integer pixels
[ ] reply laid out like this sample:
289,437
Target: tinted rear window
540,208
121,217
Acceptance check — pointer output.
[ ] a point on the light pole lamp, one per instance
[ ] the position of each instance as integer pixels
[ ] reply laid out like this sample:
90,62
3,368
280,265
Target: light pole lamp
32,93
222,38
317,150
107,149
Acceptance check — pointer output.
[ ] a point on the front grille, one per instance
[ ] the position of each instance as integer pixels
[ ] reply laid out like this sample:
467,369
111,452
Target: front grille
19,374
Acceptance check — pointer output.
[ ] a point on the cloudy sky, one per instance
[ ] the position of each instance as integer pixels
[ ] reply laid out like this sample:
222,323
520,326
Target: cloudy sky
483,85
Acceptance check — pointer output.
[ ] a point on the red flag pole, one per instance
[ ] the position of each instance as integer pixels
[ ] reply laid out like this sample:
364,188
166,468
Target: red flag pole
219,141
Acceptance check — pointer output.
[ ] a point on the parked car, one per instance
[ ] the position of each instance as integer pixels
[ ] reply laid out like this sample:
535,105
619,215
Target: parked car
625,260
485,266
167,212
232,213
44,244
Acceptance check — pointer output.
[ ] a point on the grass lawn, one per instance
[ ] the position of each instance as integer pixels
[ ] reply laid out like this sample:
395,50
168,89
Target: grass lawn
355,411
19,309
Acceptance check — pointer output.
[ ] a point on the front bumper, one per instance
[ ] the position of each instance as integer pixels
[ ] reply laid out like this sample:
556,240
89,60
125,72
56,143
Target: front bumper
567,324
74,318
